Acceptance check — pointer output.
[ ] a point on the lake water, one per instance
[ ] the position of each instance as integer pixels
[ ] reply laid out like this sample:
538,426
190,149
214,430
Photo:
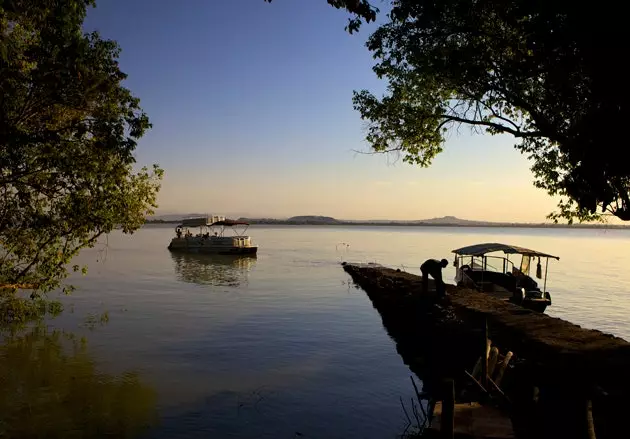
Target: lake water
280,346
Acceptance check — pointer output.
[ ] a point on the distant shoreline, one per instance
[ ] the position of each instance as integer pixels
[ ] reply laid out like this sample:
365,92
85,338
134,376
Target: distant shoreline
416,224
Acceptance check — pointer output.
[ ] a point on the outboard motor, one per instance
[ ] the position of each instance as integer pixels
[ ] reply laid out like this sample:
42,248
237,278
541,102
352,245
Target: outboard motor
518,296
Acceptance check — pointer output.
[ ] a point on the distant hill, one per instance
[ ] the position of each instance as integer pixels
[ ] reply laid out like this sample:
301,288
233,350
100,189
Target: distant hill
451,221
313,219
296,220
172,218
320,219
328,220
445,221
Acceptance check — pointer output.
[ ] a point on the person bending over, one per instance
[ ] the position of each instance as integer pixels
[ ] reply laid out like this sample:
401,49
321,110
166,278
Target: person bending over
433,268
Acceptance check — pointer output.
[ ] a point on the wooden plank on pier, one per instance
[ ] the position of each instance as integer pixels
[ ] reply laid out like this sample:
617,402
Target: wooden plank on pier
476,421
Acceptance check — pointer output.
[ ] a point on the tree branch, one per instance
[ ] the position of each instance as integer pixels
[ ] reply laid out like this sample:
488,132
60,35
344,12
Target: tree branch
502,128
490,108
15,177
35,258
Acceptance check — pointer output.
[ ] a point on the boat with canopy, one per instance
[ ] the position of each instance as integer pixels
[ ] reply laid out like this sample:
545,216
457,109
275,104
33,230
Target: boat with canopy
212,237
478,266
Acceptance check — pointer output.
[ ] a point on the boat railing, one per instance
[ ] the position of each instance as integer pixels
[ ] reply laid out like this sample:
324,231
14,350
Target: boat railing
495,264
490,267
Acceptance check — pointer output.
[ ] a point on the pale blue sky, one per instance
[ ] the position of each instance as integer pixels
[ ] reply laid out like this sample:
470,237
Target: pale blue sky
252,115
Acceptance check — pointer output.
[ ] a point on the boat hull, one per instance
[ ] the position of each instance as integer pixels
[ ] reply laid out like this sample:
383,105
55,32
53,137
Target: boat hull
538,305
210,249
216,251
216,245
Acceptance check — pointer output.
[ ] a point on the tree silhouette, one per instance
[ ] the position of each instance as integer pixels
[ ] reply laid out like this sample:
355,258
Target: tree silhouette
548,73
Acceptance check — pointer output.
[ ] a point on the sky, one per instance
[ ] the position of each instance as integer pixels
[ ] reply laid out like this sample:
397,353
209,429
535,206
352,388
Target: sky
251,106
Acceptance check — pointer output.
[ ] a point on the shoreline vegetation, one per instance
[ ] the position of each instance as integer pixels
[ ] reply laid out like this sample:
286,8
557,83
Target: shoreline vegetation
447,221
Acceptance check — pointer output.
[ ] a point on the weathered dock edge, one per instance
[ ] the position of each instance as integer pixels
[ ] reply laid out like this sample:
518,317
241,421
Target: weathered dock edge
566,362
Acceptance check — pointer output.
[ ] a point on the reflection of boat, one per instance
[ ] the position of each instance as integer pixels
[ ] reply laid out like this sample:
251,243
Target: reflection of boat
212,269
211,237
503,279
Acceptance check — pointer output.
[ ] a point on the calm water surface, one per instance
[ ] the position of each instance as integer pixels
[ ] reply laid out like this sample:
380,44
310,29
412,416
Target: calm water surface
281,344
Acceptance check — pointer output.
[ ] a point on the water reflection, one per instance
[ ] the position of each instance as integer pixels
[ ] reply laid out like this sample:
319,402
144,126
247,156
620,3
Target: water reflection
49,387
217,270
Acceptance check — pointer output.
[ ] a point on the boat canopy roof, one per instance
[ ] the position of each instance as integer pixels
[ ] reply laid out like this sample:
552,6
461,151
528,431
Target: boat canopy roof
195,222
490,247
229,223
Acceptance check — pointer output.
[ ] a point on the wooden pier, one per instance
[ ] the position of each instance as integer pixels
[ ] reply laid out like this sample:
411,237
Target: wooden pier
473,420
563,380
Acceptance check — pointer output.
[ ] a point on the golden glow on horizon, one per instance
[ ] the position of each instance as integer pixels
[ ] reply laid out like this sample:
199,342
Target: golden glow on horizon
476,178
360,199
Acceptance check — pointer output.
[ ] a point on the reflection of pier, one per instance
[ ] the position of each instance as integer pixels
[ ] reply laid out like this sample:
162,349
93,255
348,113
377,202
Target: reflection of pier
209,269
429,338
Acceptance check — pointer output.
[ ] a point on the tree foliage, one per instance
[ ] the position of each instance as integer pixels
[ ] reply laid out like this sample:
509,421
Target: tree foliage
548,73
68,131
359,9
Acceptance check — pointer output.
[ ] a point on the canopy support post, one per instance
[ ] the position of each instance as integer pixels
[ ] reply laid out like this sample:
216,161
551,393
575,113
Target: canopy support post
546,269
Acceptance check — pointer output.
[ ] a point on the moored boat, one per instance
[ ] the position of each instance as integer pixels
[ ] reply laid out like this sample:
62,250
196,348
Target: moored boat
212,238
498,276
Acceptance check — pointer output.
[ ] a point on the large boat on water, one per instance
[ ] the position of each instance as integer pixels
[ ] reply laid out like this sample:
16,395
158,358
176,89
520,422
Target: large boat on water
497,275
212,238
